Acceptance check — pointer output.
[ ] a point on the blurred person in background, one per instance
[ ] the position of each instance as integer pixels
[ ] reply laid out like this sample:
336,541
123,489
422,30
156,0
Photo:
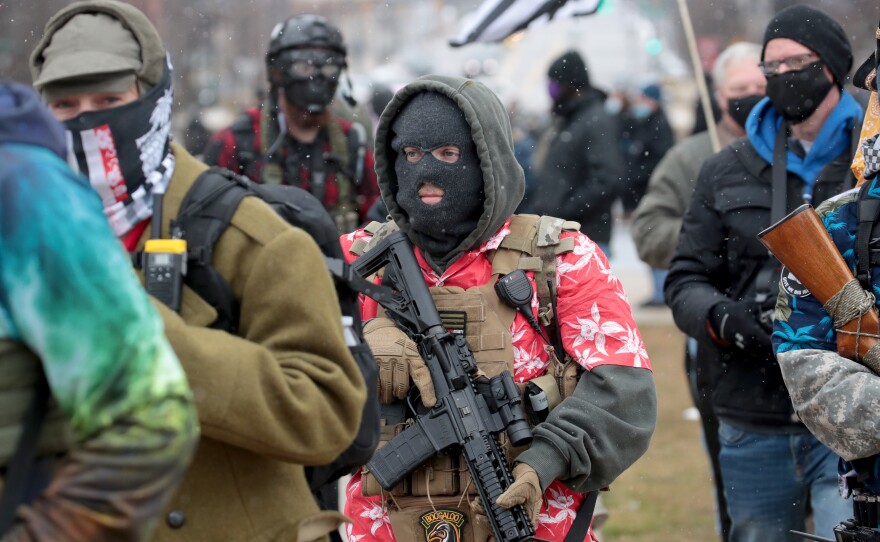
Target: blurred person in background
578,161
739,85
297,138
649,138
723,284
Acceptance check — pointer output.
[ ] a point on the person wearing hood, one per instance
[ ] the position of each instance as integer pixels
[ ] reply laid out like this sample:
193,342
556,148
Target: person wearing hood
98,423
657,219
448,174
279,391
578,160
836,397
722,284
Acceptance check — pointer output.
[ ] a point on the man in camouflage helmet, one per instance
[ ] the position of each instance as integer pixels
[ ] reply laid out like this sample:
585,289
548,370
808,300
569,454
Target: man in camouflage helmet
297,137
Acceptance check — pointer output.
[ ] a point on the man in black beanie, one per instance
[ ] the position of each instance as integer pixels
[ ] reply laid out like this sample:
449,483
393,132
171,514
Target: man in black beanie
723,285
578,160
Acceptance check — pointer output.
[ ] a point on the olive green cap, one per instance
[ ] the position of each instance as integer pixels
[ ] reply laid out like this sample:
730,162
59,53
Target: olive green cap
97,45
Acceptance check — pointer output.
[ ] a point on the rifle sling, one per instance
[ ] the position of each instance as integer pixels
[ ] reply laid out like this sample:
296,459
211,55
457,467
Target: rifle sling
581,524
766,286
868,213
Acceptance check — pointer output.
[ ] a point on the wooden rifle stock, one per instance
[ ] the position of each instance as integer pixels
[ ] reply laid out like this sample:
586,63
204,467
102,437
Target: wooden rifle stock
802,244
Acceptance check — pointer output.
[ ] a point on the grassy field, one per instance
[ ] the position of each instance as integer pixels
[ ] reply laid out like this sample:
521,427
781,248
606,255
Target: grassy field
666,496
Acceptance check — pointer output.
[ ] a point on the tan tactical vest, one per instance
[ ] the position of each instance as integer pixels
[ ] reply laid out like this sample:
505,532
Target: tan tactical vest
20,370
444,481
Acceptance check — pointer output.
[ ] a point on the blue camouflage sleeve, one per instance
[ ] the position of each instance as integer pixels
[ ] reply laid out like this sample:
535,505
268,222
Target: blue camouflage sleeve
800,320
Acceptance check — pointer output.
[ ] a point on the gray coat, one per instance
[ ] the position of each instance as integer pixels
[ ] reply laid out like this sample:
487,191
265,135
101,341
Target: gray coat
657,220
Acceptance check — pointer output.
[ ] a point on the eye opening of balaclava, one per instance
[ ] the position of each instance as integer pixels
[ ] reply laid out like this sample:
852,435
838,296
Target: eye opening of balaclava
428,121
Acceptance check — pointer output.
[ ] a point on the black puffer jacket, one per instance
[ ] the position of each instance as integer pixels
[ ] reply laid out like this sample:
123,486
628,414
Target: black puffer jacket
719,258
581,167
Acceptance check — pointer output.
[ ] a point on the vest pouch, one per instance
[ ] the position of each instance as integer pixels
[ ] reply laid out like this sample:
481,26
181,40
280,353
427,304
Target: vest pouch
486,325
565,372
369,485
437,477
444,518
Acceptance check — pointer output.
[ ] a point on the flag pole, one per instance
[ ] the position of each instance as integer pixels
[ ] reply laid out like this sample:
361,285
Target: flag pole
698,75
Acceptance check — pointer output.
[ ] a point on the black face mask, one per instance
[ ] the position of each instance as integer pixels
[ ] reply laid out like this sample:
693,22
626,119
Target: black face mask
739,108
124,151
797,94
310,78
427,122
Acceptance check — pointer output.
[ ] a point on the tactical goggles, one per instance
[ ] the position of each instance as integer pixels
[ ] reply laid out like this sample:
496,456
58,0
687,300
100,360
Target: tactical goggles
300,65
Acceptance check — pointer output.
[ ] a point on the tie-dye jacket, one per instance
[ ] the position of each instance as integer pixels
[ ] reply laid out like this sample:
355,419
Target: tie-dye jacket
68,294
836,398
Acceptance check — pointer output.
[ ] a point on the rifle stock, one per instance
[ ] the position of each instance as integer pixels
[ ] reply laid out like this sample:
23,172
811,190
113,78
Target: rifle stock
802,244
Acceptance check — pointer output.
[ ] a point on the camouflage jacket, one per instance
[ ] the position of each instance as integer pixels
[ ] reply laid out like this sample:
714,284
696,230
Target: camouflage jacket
838,399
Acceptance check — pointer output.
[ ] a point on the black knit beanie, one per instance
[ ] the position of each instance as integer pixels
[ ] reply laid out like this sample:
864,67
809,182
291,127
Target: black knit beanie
814,29
570,69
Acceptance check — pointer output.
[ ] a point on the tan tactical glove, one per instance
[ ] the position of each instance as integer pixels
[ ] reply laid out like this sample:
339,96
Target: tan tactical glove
398,359
525,490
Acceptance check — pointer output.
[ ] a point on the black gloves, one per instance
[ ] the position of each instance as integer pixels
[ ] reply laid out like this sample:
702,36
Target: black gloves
739,323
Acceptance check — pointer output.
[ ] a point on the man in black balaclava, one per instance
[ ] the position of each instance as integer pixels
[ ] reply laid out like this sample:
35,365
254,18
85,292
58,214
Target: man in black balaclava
440,185
723,285
578,160
450,179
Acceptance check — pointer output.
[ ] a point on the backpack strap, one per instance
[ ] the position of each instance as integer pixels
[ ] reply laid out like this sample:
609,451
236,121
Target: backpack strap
868,212
357,150
246,152
205,213
21,465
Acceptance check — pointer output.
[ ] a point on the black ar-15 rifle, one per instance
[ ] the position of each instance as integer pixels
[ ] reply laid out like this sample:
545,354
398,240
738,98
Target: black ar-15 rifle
468,414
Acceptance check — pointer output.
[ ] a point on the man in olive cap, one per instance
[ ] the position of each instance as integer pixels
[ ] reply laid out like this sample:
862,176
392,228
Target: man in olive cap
276,392
723,285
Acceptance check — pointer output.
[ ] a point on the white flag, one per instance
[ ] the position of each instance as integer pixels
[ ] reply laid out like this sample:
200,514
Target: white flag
497,19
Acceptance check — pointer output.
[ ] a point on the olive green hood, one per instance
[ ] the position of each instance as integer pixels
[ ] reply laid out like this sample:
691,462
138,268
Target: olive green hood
503,179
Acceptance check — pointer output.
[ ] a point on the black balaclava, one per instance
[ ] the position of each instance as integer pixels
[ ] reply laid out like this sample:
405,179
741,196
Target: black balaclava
312,93
739,108
428,121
